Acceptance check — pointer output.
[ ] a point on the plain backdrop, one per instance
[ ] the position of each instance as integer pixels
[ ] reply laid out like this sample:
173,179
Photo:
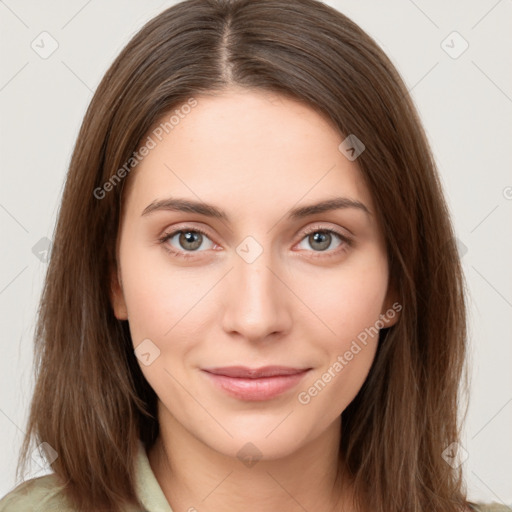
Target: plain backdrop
461,84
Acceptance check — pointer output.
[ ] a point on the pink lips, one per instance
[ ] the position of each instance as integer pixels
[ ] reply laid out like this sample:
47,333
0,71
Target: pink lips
254,384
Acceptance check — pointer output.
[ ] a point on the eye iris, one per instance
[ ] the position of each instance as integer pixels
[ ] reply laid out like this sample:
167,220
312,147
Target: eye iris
192,237
191,240
322,237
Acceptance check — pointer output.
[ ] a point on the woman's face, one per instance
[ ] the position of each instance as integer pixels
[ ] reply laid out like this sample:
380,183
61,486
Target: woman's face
257,277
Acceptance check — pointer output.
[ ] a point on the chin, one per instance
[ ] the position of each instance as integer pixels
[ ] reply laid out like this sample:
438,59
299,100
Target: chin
258,441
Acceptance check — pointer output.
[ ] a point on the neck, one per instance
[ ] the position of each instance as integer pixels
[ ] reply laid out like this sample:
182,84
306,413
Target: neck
195,477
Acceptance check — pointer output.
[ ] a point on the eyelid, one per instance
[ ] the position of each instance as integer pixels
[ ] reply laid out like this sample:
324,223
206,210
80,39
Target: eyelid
323,227
347,240
170,233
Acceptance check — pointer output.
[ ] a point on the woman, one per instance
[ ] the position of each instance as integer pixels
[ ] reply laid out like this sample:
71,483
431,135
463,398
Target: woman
196,349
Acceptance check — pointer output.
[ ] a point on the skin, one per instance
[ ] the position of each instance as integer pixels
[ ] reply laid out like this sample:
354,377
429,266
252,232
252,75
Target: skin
254,155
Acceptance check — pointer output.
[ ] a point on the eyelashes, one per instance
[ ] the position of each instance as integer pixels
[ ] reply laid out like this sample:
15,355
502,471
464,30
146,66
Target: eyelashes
183,254
345,241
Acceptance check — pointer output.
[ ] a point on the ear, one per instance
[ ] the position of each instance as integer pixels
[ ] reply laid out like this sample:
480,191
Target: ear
392,307
117,295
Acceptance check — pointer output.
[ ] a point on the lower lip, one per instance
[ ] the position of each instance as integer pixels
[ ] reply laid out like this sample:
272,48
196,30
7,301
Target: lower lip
264,388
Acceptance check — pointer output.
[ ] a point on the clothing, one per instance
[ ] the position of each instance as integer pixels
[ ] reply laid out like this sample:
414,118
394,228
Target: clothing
43,494
487,507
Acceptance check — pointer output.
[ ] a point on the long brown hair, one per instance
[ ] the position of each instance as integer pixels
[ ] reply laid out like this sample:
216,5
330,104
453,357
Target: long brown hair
92,404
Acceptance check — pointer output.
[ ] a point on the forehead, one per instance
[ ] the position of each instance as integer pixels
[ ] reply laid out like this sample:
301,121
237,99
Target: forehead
246,150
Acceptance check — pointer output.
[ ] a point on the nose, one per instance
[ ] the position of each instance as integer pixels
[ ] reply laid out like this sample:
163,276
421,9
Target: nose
257,299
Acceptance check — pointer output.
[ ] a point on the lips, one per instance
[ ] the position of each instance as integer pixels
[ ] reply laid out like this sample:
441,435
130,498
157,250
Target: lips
255,384
255,373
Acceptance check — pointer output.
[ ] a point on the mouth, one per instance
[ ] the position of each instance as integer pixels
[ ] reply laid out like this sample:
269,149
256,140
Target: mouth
255,384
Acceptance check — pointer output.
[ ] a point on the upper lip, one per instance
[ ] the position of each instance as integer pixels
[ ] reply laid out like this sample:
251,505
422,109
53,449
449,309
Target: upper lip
254,373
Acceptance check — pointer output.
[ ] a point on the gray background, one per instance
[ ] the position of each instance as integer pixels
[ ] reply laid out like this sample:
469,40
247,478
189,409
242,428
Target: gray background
465,102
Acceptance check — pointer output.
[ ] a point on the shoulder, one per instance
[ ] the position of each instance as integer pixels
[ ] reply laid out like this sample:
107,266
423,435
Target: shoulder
485,507
41,494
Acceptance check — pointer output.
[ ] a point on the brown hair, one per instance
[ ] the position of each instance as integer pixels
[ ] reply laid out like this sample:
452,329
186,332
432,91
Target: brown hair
92,405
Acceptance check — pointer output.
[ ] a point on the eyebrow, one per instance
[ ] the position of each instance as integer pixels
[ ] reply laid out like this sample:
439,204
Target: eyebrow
209,210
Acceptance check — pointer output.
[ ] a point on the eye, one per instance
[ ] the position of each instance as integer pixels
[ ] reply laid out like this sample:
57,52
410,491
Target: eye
188,240
321,239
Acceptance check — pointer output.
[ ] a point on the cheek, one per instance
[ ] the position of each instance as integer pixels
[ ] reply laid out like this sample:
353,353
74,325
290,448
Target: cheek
347,307
160,302
334,386
350,298
159,296
348,354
